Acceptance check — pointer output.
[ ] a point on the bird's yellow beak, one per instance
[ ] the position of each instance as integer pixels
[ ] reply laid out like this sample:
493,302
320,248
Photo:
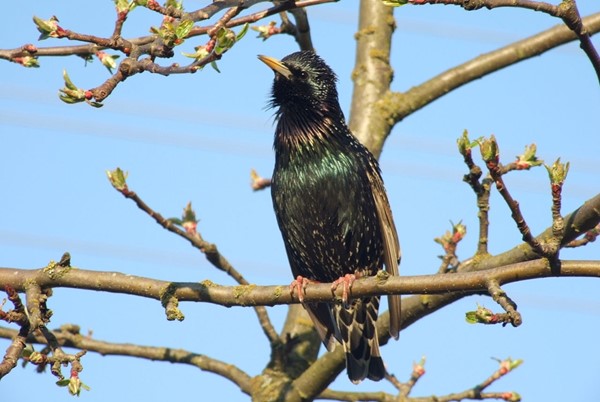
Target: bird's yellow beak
276,65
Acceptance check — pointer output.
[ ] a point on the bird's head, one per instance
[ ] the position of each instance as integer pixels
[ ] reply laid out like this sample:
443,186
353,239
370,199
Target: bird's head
302,79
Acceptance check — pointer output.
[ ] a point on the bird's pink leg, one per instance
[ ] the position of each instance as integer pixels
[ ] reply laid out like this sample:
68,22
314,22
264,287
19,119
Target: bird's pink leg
299,285
347,281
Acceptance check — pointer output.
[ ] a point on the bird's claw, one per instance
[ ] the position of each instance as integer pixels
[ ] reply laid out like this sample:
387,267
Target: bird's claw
347,281
299,285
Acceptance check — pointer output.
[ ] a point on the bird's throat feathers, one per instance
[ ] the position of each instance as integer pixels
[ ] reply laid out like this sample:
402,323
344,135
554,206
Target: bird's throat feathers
306,132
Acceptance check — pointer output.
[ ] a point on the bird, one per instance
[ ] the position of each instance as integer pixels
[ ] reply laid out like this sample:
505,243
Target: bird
331,208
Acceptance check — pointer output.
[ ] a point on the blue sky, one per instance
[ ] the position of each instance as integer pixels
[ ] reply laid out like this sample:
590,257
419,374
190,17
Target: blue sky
196,137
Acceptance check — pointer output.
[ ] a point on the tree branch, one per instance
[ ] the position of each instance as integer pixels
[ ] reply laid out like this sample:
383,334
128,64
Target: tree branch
118,180
69,336
566,10
19,338
159,45
414,308
302,29
396,105
251,295
372,74
516,264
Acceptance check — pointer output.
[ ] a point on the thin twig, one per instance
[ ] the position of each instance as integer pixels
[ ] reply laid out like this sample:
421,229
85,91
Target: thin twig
153,46
491,156
212,255
418,370
475,393
589,237
449,242
500,297
19,338
481,188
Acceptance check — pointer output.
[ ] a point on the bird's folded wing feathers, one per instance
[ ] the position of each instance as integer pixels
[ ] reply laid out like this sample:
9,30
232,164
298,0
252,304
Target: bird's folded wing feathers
391,247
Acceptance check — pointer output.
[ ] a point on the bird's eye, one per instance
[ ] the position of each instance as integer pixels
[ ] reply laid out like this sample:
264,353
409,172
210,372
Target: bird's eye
303,75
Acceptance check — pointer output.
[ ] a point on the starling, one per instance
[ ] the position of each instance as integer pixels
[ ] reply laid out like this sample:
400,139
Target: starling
331,208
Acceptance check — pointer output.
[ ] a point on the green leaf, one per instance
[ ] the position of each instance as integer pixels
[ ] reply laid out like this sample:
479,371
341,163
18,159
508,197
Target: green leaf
118,178
213,64
184,28
528,158
67,99
176,221
465,144
47,28
515,363
28,61
243,31
200,53
557,172
124,5
68,83
471,317
489,149
178,5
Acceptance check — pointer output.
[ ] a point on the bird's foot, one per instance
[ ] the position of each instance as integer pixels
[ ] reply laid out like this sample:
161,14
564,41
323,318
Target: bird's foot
299,285
347,281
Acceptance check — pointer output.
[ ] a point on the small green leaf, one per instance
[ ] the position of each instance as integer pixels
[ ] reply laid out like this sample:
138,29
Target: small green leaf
528,158
213,64
107,60
200,53
480,316
68,83
47,28
27,61
178,5
184,28
489,149
242,32
471,317
557,172
118,178
515,363
266,31
176,221
67,99
514,397
465,144
125,5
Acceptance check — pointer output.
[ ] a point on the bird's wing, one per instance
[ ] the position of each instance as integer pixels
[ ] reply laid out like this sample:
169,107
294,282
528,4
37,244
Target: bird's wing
391,246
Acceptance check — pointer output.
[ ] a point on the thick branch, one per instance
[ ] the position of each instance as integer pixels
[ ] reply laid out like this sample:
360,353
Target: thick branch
397,106
566,10
251,295
69,336
372,73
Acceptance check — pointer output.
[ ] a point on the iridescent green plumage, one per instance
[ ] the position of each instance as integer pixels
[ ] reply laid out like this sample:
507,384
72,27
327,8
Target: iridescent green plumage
331,207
